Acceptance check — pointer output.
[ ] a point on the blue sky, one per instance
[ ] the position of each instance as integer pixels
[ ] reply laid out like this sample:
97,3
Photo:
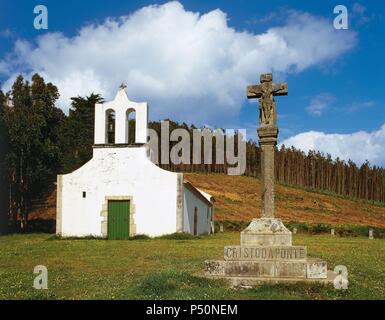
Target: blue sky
336,77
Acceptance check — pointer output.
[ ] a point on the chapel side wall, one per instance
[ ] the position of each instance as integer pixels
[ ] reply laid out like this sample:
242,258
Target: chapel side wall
190,202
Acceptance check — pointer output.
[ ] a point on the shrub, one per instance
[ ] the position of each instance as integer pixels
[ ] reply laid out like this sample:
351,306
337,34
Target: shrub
344,230
140,237
178,236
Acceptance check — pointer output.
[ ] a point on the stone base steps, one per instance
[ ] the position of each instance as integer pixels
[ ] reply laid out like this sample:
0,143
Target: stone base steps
295,269
249,282
266,254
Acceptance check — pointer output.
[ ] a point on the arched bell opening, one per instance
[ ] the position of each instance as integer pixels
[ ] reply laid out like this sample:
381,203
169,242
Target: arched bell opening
131,126
110,126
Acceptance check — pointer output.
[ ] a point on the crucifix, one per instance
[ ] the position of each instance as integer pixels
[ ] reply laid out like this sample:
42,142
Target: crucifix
267,236
268,134
265,93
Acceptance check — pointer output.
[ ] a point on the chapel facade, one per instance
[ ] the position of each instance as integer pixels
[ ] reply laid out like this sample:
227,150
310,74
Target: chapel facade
120,192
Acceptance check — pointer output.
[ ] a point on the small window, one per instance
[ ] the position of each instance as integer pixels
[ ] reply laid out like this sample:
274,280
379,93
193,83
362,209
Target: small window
84,194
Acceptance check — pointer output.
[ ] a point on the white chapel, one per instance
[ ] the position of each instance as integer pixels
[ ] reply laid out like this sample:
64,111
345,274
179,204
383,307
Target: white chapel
120,193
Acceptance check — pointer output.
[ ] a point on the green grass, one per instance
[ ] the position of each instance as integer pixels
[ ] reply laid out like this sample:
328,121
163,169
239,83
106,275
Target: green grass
166,268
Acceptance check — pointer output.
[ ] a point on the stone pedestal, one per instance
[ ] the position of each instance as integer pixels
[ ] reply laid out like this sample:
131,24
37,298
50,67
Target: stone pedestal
266,253
266,232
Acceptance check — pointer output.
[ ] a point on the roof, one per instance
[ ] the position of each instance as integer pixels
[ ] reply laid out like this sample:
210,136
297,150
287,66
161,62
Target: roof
206,197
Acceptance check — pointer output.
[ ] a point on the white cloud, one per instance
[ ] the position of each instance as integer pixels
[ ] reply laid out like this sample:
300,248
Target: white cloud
189,66
358,146
6,33
361,105
319,103
358,8
3,67
360,15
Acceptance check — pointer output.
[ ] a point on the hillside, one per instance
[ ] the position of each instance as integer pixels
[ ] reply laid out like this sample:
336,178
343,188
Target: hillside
237,198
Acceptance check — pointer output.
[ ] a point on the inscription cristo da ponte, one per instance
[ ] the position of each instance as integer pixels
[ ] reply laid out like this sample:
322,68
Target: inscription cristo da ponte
255,253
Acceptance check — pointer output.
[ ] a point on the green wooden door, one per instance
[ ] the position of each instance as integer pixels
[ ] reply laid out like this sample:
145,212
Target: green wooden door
118,219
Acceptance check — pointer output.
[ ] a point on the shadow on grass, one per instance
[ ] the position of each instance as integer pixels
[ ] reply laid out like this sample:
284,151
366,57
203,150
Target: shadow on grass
171,284
298,291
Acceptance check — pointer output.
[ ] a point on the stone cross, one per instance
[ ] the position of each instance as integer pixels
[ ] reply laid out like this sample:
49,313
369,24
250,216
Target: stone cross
266,252
265,93
268,134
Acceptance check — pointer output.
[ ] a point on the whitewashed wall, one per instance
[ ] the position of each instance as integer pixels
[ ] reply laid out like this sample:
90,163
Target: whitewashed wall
190,202
117,171
125,171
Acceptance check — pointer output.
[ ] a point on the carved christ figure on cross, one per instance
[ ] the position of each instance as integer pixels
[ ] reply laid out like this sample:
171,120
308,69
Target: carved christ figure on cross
265,93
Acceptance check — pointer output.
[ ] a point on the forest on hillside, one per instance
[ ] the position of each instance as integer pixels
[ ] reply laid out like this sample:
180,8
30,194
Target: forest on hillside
38,141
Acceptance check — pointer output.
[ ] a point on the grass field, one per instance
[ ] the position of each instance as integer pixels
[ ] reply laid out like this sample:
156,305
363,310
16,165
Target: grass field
163,269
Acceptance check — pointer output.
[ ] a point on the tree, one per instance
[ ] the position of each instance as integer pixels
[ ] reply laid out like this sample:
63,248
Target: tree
78,132
3,170
33,125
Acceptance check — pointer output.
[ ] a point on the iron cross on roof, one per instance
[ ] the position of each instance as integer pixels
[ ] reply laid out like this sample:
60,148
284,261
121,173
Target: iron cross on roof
265,93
